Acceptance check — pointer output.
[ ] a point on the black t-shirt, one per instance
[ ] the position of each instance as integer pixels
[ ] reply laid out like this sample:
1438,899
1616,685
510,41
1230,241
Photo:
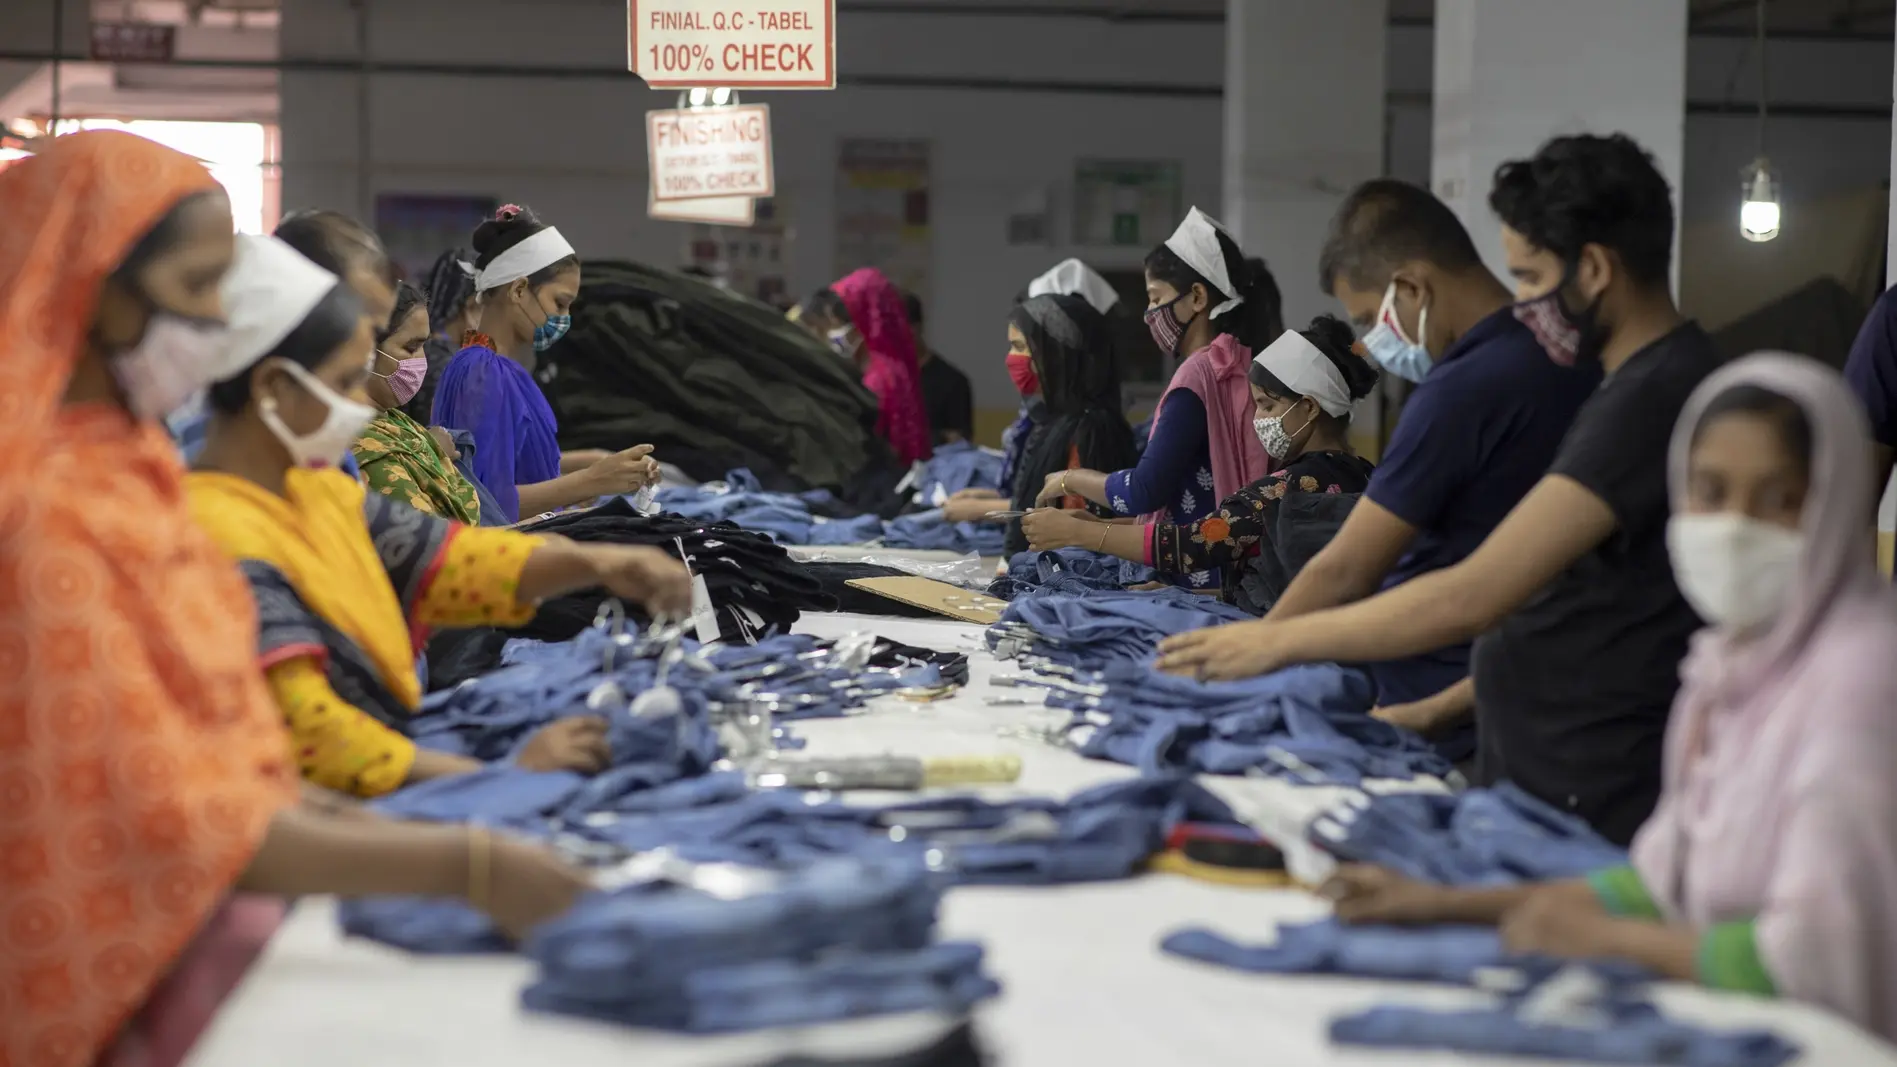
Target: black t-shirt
948,399
1573,688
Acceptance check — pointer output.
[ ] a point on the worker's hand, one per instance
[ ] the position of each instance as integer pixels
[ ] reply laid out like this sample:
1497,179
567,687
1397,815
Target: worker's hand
444,442
1426,717
577,743
623,472
645,575
1557,922
1363,894
1051,528
967,507
526,884
1052,490
1221,653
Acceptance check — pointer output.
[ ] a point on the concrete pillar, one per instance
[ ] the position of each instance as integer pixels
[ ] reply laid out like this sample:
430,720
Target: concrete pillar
1304,123
1512,73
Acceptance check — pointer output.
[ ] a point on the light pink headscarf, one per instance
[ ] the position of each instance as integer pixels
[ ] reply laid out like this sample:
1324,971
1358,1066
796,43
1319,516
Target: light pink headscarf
1779,799
1218,375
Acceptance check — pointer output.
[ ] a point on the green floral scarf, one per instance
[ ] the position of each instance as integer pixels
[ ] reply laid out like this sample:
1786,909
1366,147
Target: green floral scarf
400,459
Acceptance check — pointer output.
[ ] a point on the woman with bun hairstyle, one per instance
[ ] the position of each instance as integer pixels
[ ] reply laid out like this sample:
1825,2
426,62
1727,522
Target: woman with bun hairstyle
526,279
1207,303
1302,387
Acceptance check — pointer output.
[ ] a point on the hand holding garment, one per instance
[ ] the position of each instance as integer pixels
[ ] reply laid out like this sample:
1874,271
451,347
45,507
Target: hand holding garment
400,459
130,635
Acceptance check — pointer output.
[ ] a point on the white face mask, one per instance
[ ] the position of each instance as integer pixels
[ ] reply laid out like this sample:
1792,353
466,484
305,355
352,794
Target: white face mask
1736,571
1271,433
169,365
325,447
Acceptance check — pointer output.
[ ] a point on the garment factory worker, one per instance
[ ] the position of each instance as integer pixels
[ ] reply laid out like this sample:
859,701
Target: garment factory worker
1770,863
1209,305
1060,351
947,398
136,713
1581,626
863,318
449,288
527,277
1070,277
1302,386
1480,428
398,456
347,583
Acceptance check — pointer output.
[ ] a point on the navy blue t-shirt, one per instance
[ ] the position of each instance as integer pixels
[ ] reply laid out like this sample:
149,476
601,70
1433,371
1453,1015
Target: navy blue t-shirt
1871,367
1479,431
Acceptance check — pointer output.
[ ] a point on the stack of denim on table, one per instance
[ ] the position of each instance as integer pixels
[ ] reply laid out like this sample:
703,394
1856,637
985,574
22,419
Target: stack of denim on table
1089,631
1480,837
1310,722
1069,572
954,467
838,939
789,519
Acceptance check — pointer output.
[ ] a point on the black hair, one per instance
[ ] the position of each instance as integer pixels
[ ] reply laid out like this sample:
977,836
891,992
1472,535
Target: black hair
1385,223
407,299
450,284
161,238
827,303
1584,190
1793,425
510,226
1255,323
336,243
1337,341
912,304
332,321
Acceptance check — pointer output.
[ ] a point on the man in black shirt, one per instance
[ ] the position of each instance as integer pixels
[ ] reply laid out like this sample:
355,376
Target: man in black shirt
945,391
1581,629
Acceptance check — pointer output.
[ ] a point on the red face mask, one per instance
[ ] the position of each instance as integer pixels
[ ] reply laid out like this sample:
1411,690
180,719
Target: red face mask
1021,369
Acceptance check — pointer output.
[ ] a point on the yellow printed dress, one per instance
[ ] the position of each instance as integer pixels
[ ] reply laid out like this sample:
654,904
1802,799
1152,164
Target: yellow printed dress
347,585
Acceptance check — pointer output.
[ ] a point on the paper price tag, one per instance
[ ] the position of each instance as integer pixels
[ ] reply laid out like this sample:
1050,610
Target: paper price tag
704,616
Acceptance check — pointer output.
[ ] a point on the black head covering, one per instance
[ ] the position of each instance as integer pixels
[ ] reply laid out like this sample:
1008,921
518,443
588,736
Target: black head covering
1080,387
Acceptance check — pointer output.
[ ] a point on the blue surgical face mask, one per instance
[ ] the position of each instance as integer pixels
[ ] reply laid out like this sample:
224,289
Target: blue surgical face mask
1407,359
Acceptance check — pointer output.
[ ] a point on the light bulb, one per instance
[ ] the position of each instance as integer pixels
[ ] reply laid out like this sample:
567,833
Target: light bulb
720,97
698,96
1759,210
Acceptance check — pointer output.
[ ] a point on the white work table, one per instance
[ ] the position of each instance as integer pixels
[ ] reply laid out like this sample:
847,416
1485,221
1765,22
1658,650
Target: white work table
1084,980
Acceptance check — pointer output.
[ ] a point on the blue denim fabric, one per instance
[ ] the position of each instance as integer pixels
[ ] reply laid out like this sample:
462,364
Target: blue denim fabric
1499,836
929,530
788,520
860,530
1625,1029
957,466
1093,630
495,796
1449,954
1068,571
493,512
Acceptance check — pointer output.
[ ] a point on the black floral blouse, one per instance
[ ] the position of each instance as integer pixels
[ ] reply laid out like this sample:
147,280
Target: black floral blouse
1243,520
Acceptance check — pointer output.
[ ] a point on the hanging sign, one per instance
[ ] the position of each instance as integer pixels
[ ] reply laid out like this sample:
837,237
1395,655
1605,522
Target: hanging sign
714,210
133,42
744,44
710,152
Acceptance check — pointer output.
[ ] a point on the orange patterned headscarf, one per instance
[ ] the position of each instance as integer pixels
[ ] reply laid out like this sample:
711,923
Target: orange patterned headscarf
141,756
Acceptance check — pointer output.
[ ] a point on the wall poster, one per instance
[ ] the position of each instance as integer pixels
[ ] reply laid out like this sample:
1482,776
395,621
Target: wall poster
1126,202
417,228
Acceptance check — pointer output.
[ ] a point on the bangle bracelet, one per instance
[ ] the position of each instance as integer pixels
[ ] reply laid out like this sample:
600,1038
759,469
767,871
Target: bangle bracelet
480,866
1063,484
1105,529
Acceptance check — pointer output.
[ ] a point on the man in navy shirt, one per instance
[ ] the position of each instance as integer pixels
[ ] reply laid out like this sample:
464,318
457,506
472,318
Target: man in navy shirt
1872,371
1478,432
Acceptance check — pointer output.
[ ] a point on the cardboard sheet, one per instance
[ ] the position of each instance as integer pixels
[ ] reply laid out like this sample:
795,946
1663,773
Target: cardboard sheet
939,597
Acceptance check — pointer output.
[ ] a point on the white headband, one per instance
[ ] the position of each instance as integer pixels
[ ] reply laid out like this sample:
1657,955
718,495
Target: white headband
1071,277
269,291
1306,371
1197,242
534,254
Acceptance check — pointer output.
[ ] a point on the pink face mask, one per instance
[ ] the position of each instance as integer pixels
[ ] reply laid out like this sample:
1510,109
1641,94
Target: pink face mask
407,378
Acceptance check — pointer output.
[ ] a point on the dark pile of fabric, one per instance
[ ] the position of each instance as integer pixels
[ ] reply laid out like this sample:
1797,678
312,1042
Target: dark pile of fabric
715,381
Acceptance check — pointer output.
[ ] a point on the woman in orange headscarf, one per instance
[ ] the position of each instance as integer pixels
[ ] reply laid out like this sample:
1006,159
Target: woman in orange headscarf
144,772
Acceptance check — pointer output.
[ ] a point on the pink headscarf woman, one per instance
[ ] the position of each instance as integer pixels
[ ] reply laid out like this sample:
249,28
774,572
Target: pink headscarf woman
1770,863
881,325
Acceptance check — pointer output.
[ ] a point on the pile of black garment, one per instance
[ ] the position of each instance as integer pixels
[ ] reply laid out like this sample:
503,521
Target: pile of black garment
755,586
716,382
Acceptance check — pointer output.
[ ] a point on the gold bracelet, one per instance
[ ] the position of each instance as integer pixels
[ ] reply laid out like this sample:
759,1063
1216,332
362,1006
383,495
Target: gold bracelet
480,866
1105,529
1063,484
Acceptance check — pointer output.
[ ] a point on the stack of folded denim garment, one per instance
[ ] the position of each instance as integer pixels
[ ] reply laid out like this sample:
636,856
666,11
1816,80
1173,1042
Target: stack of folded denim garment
790,519
1455,955
1311,723
930,531
1498,836
1069,572
1577,1013
955,467
1097,835
1090,631
841,938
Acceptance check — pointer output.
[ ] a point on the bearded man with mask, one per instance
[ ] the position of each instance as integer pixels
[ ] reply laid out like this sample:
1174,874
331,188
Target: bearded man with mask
1581,626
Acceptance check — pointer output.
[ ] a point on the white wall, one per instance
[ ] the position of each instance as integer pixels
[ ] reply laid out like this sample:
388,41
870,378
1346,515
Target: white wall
573,147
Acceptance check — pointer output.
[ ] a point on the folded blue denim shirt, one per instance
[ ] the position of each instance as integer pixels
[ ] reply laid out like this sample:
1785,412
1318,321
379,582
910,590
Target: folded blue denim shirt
1092,630
957,466
788,518
1614,1023
1449,954
930,531
1496,836
1068,572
